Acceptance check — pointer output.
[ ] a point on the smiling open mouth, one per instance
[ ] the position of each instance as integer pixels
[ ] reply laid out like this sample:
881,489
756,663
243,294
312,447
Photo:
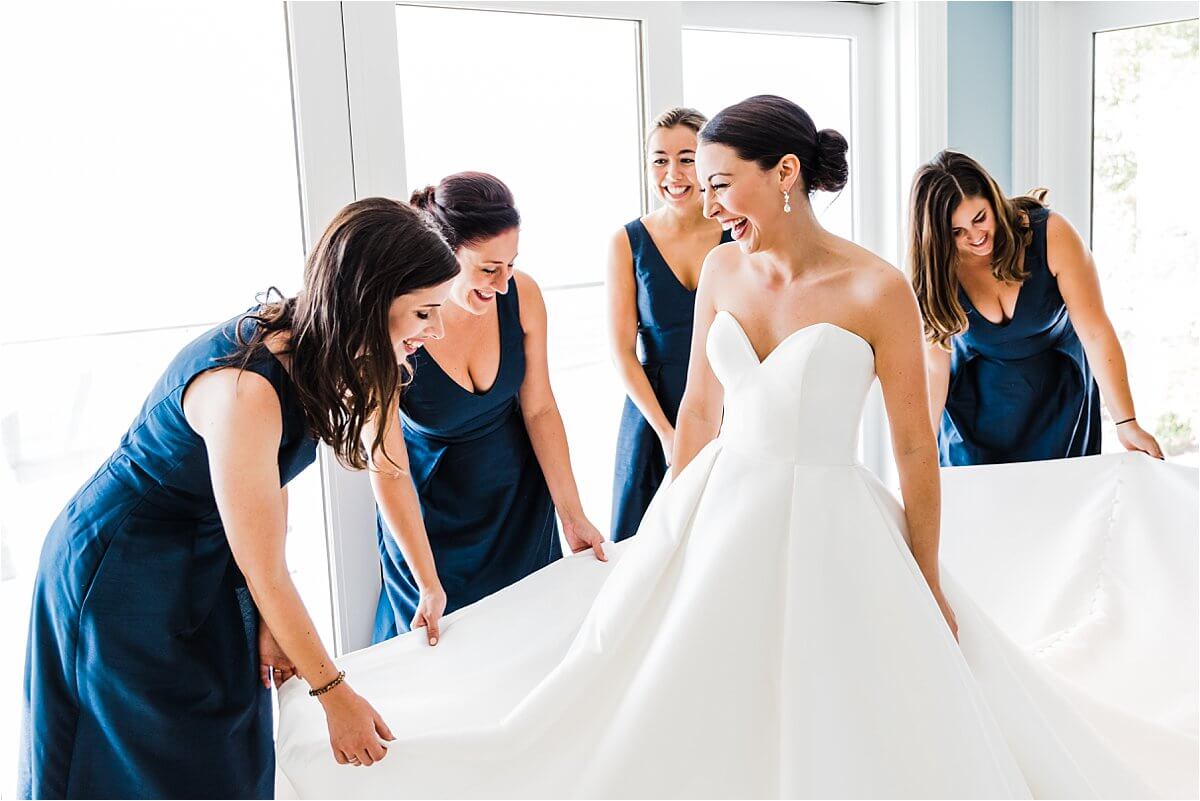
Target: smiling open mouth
737,227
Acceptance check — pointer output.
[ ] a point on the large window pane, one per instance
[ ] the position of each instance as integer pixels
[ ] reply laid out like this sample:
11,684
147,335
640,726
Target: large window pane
1145,169
814,72
567,141
150,192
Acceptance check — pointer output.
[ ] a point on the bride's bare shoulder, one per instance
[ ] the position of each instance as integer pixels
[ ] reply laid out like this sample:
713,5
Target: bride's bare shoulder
721,262
872,279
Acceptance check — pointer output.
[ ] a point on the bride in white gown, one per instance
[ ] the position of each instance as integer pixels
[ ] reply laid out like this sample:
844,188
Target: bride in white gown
778,626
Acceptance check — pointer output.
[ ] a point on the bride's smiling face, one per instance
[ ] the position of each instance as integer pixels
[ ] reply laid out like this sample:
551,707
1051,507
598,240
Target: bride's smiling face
746,199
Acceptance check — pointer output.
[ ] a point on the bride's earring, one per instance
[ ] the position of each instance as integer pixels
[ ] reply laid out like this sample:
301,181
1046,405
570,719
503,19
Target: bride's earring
787,203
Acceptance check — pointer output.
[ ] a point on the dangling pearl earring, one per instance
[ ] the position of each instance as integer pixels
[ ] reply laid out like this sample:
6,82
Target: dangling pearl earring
787,203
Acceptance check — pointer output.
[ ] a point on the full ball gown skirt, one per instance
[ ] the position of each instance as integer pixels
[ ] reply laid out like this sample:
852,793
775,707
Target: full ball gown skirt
766,634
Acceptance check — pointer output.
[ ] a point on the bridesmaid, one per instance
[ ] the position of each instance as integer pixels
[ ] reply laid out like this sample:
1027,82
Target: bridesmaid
1020,345
147,656
653,268
483,435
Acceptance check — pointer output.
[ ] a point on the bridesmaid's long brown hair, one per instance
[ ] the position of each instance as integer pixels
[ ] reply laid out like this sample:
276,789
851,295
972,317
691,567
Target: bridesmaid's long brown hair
938,188
343,365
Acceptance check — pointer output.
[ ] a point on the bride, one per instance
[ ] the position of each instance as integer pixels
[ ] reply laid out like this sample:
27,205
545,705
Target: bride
779,627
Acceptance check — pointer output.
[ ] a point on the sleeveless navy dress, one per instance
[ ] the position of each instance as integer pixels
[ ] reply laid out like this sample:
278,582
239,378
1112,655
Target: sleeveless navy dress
666,312
1021,390
484,499
141,679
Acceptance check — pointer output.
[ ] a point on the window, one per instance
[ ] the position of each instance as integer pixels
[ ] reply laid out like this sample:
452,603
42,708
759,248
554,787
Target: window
153,182
567,141
1144,228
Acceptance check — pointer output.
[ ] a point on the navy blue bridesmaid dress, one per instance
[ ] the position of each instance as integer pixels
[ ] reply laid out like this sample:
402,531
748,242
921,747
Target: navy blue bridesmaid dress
1021,390
141,678
666,311
484,499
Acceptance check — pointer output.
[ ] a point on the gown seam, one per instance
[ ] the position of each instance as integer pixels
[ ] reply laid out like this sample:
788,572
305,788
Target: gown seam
1101,569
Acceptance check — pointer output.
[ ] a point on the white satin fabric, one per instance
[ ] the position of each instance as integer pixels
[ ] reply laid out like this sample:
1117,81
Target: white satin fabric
768,634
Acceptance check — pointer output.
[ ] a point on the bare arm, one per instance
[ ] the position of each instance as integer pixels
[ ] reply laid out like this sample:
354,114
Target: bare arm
703,400
238,416
544,423
622,334
1079,283
937,368
391,482
896,335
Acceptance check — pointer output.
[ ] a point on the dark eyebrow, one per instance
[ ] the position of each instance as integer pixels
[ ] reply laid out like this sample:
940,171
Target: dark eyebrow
665,153
715,174
430,306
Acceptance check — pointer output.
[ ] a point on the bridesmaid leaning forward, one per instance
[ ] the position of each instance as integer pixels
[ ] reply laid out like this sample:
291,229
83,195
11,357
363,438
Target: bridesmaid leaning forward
1019,344
479,430
147,656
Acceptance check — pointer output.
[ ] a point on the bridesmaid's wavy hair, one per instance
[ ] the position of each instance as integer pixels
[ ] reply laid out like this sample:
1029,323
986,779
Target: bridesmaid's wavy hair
471,207
938,188
765,128
343,364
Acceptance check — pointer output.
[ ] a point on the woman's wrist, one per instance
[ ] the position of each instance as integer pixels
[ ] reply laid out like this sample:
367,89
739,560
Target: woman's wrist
335,695
425,575
429,585
931,573
573,514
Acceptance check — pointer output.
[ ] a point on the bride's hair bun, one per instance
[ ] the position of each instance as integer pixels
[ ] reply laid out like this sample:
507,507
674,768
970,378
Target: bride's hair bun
830,170
424,198
765,128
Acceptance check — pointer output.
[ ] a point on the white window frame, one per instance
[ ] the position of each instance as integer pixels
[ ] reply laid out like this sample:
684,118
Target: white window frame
1052,93
346,87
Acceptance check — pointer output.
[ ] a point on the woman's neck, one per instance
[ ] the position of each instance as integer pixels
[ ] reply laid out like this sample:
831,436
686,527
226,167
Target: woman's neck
797,244
689,218
973,262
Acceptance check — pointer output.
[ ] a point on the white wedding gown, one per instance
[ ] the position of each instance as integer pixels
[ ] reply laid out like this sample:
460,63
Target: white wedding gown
768,634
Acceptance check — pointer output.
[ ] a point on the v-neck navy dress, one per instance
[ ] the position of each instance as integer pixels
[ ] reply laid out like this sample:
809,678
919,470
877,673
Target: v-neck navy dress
1021,390
487,509
141,679
666,312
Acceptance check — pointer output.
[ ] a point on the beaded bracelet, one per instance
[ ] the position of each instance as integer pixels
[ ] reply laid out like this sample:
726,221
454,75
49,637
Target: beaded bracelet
1126,420
322,690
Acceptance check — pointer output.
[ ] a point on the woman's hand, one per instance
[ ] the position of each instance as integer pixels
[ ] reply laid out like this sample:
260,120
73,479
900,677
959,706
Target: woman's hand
581,534
947,612
355,728
273,663
430,609
667,438
1136,438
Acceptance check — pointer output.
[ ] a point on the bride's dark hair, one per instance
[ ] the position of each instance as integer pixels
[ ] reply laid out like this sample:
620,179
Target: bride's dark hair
765,128
342,362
